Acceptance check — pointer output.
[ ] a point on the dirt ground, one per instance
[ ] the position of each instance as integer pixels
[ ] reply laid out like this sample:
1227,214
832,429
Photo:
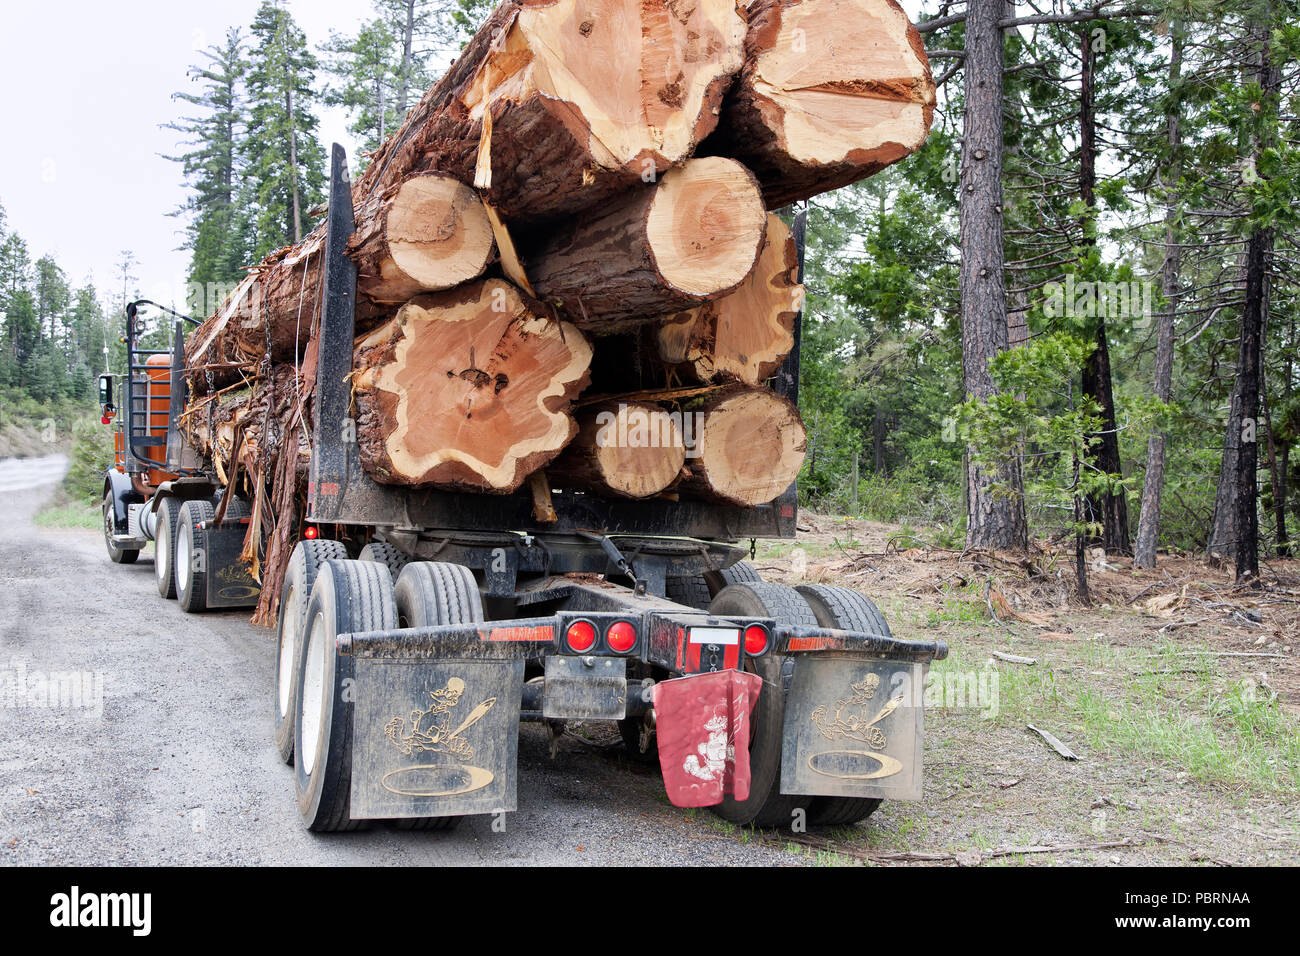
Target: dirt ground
1179,695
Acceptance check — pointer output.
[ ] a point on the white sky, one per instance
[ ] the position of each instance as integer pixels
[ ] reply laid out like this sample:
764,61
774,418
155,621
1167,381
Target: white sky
86,85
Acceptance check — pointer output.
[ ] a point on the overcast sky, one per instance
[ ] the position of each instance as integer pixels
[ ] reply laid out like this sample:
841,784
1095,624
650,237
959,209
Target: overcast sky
86,86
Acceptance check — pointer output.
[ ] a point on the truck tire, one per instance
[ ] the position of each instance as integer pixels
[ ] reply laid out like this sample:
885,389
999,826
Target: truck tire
191,555
429,593
698,591
304,564
386,555
767,806
115,554
851,611
348,596
164,546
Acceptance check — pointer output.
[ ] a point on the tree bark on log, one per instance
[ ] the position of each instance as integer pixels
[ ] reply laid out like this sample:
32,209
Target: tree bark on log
749,447
428,235
745,336
624,449
239,429
556,105
468,389
692,236
832,91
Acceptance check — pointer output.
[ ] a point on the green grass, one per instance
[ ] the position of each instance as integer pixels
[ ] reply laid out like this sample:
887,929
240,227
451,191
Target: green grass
1168,706
69,515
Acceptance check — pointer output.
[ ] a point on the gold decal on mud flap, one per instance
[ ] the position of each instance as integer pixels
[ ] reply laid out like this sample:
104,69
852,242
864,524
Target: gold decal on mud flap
430,731
854,725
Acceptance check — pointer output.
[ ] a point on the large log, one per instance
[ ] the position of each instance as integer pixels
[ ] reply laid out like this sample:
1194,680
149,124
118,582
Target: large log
742,337
467,389
429,234
749,448
832,91
240,428
556,105
624,449
692,236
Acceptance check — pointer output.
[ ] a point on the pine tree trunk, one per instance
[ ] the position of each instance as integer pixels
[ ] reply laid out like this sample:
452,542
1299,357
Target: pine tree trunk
832,91
1144,550
746,335
467,389
1110,510
994,520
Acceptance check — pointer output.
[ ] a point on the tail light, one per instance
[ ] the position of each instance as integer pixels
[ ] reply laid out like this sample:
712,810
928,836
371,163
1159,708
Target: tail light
581,636
311,533
755,640
621,637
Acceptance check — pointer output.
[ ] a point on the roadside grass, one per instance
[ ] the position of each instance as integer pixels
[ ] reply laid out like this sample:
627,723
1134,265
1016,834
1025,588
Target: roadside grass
1169,704
68,514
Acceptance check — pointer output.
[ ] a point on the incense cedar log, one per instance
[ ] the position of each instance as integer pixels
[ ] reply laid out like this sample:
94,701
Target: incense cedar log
624,449
742,337
556,105
692,236
832,91
750,447
468,389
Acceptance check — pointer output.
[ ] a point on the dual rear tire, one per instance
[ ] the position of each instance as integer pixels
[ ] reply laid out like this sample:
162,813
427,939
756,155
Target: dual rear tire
350,597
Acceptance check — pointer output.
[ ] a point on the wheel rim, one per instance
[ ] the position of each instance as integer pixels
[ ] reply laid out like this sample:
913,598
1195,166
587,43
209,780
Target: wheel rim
160,546
288,641
185,549
313,696
108,523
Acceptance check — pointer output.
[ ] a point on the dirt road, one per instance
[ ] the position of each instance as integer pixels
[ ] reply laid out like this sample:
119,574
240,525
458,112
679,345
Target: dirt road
159,751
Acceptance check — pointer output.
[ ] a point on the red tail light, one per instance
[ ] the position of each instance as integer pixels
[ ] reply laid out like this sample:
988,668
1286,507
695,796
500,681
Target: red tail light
621,637
755,639
311,533
581,636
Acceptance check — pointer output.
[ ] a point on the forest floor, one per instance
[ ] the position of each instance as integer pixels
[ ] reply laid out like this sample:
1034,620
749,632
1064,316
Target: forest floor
1179,694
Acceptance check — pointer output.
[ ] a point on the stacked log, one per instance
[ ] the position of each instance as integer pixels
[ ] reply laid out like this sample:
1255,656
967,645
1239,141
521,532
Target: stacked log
590,179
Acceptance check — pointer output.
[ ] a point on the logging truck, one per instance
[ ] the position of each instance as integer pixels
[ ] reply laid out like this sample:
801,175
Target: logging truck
398,602
499,453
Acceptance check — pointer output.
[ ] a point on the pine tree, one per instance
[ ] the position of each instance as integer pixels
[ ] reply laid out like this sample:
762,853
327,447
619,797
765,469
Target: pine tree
211,170
285,164
367,73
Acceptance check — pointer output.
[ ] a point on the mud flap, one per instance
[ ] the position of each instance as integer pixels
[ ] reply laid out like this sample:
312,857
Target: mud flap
853,727
229,581
435,738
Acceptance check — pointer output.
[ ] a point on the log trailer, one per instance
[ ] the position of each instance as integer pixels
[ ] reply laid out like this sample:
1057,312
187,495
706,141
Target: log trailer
417,628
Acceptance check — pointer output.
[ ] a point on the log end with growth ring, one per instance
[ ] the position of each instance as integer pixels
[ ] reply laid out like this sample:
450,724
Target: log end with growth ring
467,389
705,226
750,448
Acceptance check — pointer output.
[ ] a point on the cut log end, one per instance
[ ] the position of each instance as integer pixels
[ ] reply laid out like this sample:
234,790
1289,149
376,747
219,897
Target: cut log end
627,449
832,91
750,448
468,389
742,337
704,226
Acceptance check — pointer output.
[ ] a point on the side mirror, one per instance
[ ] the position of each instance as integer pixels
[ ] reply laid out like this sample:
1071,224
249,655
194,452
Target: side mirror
105,390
